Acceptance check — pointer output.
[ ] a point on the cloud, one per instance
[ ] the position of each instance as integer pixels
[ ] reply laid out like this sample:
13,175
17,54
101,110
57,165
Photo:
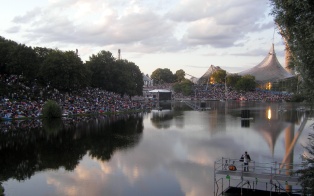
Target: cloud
133,27
219,24
255,52
28,17
208,32
14,29
141,26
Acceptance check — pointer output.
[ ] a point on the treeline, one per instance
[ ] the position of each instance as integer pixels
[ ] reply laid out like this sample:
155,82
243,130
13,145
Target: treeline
185,86
65,71
295,22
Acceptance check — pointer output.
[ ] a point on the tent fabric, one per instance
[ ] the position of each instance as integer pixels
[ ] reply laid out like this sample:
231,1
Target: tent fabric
269,70
204,79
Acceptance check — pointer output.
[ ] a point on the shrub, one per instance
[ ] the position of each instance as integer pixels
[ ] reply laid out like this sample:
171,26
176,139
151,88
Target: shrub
297,98
51,110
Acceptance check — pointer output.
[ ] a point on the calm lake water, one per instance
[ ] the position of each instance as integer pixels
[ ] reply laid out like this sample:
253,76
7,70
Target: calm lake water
168,152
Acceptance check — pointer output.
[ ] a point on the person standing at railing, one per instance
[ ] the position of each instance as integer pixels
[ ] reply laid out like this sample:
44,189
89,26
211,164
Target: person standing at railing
245,158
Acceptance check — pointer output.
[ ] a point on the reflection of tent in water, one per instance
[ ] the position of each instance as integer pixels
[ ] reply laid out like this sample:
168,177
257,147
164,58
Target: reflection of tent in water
270,130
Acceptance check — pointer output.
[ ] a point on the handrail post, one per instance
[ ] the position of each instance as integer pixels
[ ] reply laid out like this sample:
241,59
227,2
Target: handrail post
271,179
215,177
275,167
222,186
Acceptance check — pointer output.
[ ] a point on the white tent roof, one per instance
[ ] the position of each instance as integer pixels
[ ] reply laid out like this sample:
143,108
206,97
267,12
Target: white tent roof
269,69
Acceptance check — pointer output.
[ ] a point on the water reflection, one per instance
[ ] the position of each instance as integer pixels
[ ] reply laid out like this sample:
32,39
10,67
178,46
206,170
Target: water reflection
26,150
135,156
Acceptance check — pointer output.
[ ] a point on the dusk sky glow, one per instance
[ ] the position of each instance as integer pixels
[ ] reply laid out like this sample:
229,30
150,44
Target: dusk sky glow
175,34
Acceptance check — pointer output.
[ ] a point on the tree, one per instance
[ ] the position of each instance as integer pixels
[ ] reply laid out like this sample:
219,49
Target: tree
180,75
161,76
23,61
232,79
295,22
307,174
6,49
42,53
120,76
51,109
64,71
128,78
219,76
184,87
101,66
246,83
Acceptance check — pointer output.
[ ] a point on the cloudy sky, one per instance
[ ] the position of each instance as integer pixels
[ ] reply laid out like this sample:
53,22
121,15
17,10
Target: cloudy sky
175,34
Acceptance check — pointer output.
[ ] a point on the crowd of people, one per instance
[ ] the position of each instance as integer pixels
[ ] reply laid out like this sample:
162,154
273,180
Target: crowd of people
27,98
220,92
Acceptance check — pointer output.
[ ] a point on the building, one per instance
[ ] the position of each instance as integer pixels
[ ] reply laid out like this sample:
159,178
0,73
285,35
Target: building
161,94
147,81
206,78
268,71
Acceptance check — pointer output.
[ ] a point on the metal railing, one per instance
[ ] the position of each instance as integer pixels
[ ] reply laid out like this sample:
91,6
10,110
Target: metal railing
272,168
272,171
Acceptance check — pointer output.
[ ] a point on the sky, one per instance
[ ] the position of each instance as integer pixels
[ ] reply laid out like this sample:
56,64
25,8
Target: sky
176,34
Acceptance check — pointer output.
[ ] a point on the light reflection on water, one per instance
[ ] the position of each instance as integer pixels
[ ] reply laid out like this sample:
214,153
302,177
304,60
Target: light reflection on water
169,152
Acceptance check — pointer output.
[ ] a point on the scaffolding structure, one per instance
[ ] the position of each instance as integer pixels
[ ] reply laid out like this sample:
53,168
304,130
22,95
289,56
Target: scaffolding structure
267,178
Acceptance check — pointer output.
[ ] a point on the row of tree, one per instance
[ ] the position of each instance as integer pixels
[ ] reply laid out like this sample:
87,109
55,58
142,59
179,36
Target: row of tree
65,71
162,76
295,22
240,83
185,86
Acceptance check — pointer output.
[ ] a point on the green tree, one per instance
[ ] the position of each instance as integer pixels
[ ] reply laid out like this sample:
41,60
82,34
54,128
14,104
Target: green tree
64,71
161,76
180,75
23,61
219,76
295,22
246,83
307,174
232,79
120,76
6,49
184,87
52,110
128,78
102,66
42,53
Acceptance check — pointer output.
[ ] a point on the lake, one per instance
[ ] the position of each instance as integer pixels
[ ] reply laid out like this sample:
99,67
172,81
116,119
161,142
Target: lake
167,152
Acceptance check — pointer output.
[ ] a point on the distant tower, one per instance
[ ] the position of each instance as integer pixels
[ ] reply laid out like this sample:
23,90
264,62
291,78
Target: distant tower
76,52
119,54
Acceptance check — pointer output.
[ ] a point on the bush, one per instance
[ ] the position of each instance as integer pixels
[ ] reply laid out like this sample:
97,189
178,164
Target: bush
52,110
297,98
